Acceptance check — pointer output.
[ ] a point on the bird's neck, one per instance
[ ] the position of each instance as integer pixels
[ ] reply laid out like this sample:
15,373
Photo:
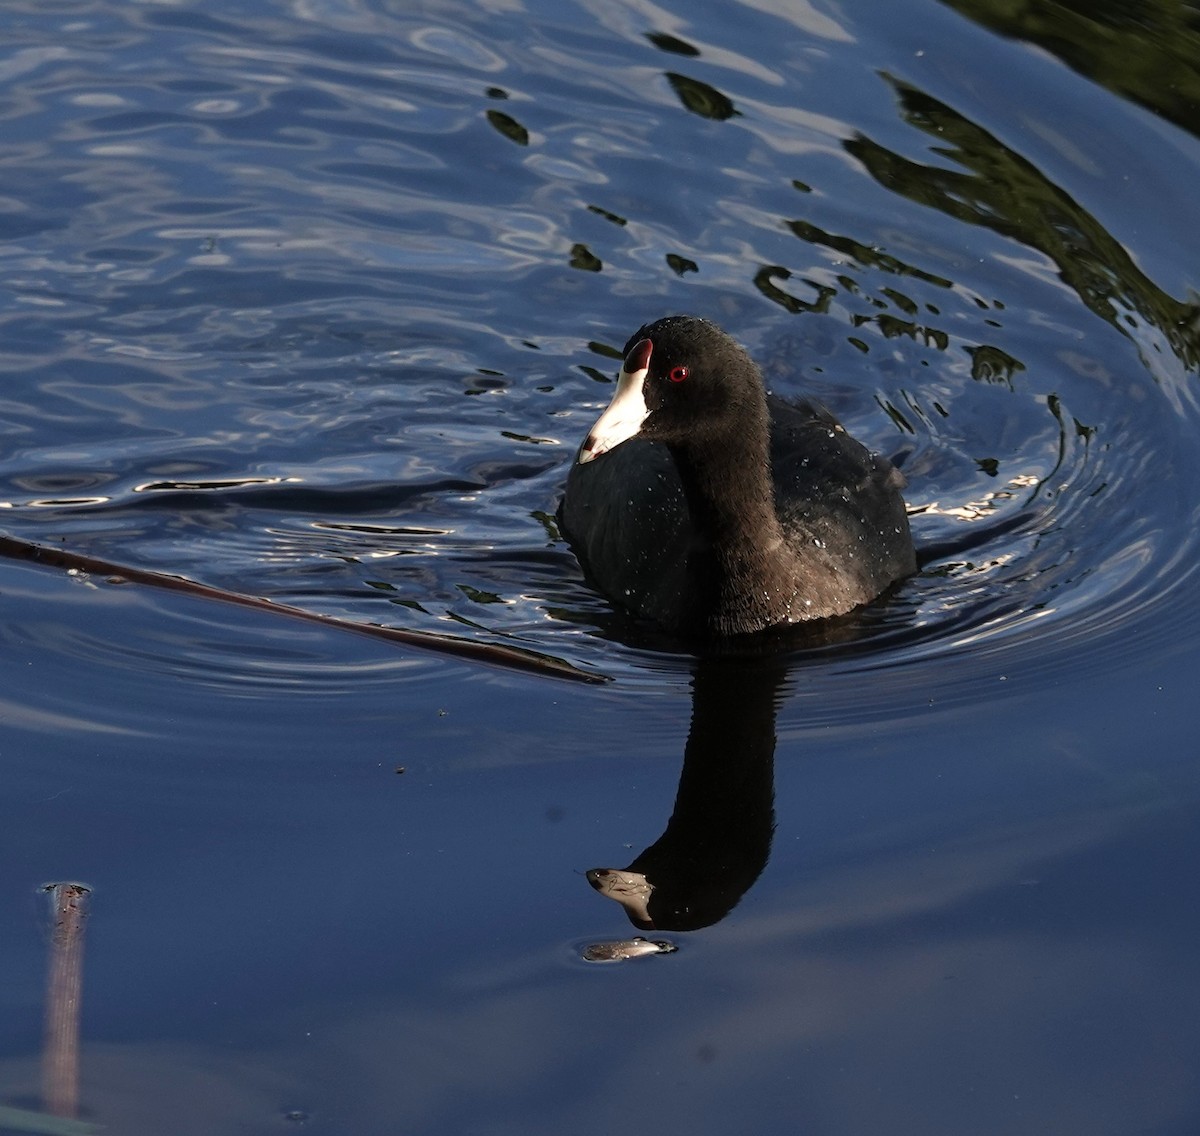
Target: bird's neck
729,493
739,565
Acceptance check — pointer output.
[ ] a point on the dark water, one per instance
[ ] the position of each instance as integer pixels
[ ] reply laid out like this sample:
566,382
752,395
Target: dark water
313,301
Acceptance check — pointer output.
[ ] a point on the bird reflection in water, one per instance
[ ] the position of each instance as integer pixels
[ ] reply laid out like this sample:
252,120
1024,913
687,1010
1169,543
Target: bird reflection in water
718,839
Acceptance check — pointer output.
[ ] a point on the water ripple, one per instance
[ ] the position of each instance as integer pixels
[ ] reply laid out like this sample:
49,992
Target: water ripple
287,312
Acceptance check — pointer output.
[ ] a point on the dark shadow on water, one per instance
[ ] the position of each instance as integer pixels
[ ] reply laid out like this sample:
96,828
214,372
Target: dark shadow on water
1149,53
998,189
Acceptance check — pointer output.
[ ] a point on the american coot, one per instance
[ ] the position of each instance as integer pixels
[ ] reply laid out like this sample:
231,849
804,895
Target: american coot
702,503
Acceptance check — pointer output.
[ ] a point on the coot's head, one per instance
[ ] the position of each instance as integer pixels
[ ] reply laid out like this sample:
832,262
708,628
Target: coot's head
683,382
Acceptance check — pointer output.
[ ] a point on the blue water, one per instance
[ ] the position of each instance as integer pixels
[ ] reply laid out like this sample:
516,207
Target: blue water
313,302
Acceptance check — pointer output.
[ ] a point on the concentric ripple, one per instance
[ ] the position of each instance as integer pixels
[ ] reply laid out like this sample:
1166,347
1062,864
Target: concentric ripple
319,314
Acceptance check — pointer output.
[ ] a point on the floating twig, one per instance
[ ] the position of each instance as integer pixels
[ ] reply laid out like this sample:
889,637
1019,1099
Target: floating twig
495,654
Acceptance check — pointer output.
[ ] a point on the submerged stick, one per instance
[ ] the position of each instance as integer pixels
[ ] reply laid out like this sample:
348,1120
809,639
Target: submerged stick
64,988
514,658
28,1120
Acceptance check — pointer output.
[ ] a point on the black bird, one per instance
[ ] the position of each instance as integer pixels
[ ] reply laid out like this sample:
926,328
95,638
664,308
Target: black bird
708,506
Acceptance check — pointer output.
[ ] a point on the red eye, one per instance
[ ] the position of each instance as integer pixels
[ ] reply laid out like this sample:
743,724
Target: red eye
677,374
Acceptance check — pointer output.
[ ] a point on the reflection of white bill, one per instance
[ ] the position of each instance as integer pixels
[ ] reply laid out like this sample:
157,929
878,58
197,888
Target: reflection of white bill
621,949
